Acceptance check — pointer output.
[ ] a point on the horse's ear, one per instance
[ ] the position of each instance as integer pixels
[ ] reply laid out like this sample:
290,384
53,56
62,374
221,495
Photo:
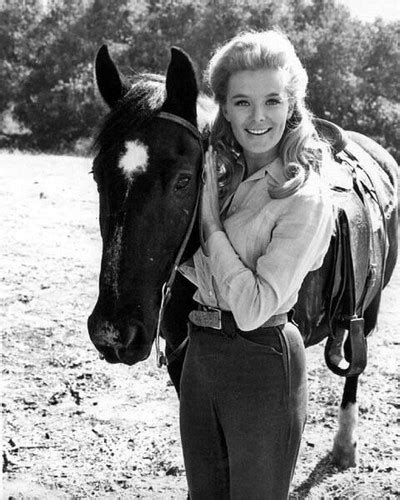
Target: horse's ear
181,85
107,77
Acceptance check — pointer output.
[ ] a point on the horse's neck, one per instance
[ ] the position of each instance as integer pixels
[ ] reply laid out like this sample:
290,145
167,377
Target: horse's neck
206,112
194,241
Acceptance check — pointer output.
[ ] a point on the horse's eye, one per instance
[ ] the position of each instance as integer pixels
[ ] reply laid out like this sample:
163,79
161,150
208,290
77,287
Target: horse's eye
182,182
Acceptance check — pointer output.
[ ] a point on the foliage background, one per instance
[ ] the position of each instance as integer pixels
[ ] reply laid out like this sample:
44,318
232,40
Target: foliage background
48,101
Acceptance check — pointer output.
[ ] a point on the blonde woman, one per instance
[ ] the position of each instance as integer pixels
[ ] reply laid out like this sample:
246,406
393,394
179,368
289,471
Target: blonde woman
266,222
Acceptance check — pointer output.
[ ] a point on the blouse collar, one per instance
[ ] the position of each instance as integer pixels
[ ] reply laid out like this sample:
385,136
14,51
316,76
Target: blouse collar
274,169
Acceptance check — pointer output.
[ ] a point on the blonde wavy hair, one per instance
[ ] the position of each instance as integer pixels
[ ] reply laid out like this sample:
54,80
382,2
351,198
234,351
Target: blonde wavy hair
300,147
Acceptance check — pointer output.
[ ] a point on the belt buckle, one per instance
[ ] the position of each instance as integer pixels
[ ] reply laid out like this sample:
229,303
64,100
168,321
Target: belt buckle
218,311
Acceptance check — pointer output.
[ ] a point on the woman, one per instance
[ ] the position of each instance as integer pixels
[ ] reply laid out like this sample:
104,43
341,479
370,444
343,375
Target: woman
243,388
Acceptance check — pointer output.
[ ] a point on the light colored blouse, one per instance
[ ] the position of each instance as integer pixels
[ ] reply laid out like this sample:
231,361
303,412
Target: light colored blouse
256,266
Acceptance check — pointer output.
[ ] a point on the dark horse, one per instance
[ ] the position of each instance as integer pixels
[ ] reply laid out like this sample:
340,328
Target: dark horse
147,170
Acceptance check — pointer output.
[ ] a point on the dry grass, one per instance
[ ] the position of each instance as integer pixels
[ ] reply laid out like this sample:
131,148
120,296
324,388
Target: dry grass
75,427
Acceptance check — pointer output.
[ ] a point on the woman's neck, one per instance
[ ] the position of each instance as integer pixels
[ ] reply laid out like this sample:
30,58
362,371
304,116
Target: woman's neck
255,161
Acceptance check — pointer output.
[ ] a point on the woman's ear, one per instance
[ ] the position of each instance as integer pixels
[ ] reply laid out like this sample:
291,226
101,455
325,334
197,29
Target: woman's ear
290,110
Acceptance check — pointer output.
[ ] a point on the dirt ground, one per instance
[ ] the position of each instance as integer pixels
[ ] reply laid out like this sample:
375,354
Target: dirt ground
75,427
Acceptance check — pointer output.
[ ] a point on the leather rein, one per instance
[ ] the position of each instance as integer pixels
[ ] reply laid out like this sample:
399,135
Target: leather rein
167,286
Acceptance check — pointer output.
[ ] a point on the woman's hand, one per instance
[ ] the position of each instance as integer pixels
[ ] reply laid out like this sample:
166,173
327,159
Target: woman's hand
211,221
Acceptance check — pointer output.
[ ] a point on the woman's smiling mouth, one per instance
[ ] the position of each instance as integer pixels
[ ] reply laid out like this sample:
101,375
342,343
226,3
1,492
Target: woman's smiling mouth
257,132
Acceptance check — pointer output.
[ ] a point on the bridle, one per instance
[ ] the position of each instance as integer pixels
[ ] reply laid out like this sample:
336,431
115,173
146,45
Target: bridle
167,286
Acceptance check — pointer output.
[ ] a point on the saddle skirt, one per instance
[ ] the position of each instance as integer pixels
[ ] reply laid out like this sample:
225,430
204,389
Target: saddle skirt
356,258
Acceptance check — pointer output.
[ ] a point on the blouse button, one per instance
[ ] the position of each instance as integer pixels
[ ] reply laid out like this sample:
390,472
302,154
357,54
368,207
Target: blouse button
210,293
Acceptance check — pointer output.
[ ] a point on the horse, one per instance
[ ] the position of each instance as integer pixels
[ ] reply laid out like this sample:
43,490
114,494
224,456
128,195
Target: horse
149,155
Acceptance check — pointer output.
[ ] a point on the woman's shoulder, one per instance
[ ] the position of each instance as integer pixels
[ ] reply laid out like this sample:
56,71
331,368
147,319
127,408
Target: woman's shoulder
313,185
312,196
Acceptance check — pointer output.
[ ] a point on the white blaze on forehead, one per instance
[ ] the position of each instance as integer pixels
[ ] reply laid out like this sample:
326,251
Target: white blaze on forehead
135,159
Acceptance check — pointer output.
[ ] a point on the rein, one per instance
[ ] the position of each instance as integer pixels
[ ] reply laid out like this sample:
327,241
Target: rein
167,286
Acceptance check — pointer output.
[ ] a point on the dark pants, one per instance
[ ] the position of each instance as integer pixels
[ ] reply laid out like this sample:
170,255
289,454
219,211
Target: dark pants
243,410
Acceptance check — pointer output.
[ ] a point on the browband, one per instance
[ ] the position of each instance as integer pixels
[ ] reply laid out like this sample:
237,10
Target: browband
181,121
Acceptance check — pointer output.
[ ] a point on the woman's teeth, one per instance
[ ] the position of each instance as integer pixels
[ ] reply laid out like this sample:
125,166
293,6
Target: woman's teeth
257,132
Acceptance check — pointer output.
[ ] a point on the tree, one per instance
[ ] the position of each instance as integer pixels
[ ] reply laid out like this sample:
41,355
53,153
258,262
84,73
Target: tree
46,70
15,51
56,98
379,91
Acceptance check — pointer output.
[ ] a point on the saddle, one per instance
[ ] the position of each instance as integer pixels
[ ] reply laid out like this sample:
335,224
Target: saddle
359,248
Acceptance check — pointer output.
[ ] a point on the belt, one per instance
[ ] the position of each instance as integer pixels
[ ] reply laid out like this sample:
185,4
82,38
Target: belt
210,317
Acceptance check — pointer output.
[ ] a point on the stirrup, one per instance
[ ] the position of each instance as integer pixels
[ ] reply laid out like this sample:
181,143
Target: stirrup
358,350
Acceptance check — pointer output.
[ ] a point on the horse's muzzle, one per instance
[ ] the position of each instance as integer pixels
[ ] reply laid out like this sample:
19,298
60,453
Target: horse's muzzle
119,343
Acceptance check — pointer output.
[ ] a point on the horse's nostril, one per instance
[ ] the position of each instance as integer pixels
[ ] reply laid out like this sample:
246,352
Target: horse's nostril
122,341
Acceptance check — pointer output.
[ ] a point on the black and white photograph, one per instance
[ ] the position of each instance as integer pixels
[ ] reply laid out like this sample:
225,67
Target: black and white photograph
200,288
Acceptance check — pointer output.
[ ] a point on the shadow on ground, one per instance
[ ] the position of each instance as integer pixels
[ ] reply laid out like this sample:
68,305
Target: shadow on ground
321,471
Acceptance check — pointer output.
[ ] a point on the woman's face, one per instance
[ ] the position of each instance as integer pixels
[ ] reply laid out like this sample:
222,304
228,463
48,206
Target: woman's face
257,108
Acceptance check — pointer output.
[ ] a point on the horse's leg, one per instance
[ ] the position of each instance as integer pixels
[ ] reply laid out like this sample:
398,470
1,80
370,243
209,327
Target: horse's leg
345,443
176,357
175,371
175,327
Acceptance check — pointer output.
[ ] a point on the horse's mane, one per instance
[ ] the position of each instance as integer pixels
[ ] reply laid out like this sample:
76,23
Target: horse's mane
141,103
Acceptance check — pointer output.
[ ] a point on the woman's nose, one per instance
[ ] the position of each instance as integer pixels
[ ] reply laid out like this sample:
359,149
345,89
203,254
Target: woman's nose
259,113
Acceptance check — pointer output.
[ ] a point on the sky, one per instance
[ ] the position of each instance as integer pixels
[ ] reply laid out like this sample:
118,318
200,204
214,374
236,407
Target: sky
368,10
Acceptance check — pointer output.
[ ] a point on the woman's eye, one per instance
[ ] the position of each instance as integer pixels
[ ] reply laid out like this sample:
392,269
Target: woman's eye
274,102
241,103
182,182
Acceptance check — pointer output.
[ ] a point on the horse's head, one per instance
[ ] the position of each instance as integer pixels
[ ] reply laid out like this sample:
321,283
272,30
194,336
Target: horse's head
147,173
